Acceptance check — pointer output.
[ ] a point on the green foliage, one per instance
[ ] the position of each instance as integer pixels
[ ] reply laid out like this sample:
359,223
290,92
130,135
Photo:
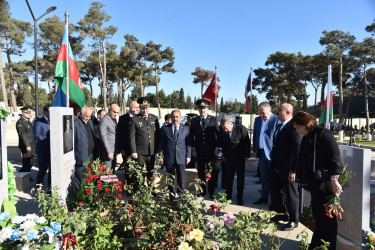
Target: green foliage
304,243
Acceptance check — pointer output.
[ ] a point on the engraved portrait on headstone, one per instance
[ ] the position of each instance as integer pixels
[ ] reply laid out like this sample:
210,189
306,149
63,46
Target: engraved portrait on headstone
68,133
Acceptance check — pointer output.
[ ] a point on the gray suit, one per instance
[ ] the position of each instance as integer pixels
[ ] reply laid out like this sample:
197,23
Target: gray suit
107,131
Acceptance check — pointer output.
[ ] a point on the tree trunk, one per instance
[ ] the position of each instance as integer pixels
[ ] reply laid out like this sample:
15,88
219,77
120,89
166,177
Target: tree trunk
119,99
341,98
304,104
315,98
140,78
366,99
202,85
157,91
298,95
348,105
11,84
123,94
2,79
105,84
322,95
93,98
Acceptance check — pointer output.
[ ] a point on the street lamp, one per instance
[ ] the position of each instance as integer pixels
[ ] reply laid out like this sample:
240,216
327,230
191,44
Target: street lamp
50,9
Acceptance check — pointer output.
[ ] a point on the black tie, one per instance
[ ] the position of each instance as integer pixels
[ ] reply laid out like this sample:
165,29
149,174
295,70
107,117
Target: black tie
277,130
175,133
203,121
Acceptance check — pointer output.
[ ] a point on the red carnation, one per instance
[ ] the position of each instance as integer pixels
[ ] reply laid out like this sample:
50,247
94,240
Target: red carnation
99,187
102,174
88,180
208,177
90,176
119,182
104,169
95,176
114,186
99,181
80,203
89,169
100,169
106,190
119,196
100,165
88,191
119,189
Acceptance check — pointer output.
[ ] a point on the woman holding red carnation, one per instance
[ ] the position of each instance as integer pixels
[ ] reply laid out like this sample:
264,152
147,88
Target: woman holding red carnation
318,149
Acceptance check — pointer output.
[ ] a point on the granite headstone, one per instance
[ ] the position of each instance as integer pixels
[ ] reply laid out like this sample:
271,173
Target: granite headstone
62,149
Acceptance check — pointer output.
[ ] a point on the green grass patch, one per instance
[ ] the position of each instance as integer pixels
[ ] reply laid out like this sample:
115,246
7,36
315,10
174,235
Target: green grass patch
364,142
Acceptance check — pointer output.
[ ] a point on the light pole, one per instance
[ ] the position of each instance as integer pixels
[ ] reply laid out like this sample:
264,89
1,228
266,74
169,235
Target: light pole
50,9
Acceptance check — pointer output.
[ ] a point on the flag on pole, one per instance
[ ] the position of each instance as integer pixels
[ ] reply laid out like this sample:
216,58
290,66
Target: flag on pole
210,91
326,116
76,94
248,94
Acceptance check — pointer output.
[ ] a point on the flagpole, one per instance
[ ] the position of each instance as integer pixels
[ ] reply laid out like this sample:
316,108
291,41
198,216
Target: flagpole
328,97
251,100
67,56
215,92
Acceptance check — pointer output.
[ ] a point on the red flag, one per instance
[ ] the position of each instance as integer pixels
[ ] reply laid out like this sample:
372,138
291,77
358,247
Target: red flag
210,91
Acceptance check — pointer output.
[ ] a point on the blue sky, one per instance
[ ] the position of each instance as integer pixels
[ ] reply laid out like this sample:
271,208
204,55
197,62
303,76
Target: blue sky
232,35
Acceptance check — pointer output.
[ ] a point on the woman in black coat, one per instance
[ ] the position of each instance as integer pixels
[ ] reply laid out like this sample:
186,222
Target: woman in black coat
320,142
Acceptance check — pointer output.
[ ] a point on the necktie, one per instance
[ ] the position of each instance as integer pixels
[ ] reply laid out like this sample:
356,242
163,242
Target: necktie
277,130
228,134
175,133
203,121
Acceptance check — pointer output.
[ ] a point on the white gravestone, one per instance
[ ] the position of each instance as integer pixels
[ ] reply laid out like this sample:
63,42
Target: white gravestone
62,149
355,199
3,162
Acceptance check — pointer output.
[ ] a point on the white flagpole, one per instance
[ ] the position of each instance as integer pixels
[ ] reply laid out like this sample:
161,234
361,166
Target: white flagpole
67,56
215,92
329,86
251,100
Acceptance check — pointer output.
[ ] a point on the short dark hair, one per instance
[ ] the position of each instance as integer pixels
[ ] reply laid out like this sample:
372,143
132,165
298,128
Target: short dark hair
46,107
99,112
167,117
304,119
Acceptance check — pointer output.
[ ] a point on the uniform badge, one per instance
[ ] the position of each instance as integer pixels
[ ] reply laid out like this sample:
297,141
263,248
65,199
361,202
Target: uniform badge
140,124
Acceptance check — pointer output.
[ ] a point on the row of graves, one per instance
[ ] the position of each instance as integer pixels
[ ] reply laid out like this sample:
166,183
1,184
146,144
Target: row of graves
353,231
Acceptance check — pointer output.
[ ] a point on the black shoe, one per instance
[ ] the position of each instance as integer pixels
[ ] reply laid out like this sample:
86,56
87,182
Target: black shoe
280,217
240,201
256,175
290,226
260,201
211,195
258,182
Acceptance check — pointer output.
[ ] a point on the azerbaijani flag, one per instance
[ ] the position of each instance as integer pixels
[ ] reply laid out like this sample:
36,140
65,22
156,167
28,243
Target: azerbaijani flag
248,93
76,94
323,115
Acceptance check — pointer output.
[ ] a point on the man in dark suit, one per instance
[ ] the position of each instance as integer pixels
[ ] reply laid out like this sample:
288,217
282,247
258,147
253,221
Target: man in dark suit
193,160
123,137
264,127
234,141
176,149
107,130
85,144
286,143
144,132
203,131
42,135
26,139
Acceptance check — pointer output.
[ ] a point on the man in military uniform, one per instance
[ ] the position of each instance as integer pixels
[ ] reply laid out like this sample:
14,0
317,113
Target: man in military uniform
193,160
203,131
144,132
26,138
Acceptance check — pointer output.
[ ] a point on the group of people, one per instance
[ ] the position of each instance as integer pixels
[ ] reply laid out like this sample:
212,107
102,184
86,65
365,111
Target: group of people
290,147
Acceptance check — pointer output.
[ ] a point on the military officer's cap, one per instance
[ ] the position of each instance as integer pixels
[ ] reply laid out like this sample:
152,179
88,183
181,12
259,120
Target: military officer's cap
191,115
143,102
26,109
202,103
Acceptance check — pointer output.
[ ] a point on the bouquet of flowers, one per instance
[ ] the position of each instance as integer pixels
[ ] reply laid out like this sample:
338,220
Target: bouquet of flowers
29,231
333,206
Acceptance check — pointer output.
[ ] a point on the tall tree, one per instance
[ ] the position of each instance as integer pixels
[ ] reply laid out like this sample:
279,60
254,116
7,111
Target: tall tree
4,19
181,99
189,103
338,43
364,54
92,25
202,77
162,61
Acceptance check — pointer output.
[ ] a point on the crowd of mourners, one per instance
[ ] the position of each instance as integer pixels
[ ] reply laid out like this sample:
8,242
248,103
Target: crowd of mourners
291,147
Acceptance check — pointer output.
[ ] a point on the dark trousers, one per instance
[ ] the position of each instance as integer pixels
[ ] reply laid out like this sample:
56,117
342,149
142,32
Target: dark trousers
78,174
179,169
29,159
202,164
265,173
149,160
278,183
110,164
44,162
326,228
234,167
212,183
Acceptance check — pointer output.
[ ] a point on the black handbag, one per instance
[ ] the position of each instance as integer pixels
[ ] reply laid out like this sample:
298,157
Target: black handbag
320,175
